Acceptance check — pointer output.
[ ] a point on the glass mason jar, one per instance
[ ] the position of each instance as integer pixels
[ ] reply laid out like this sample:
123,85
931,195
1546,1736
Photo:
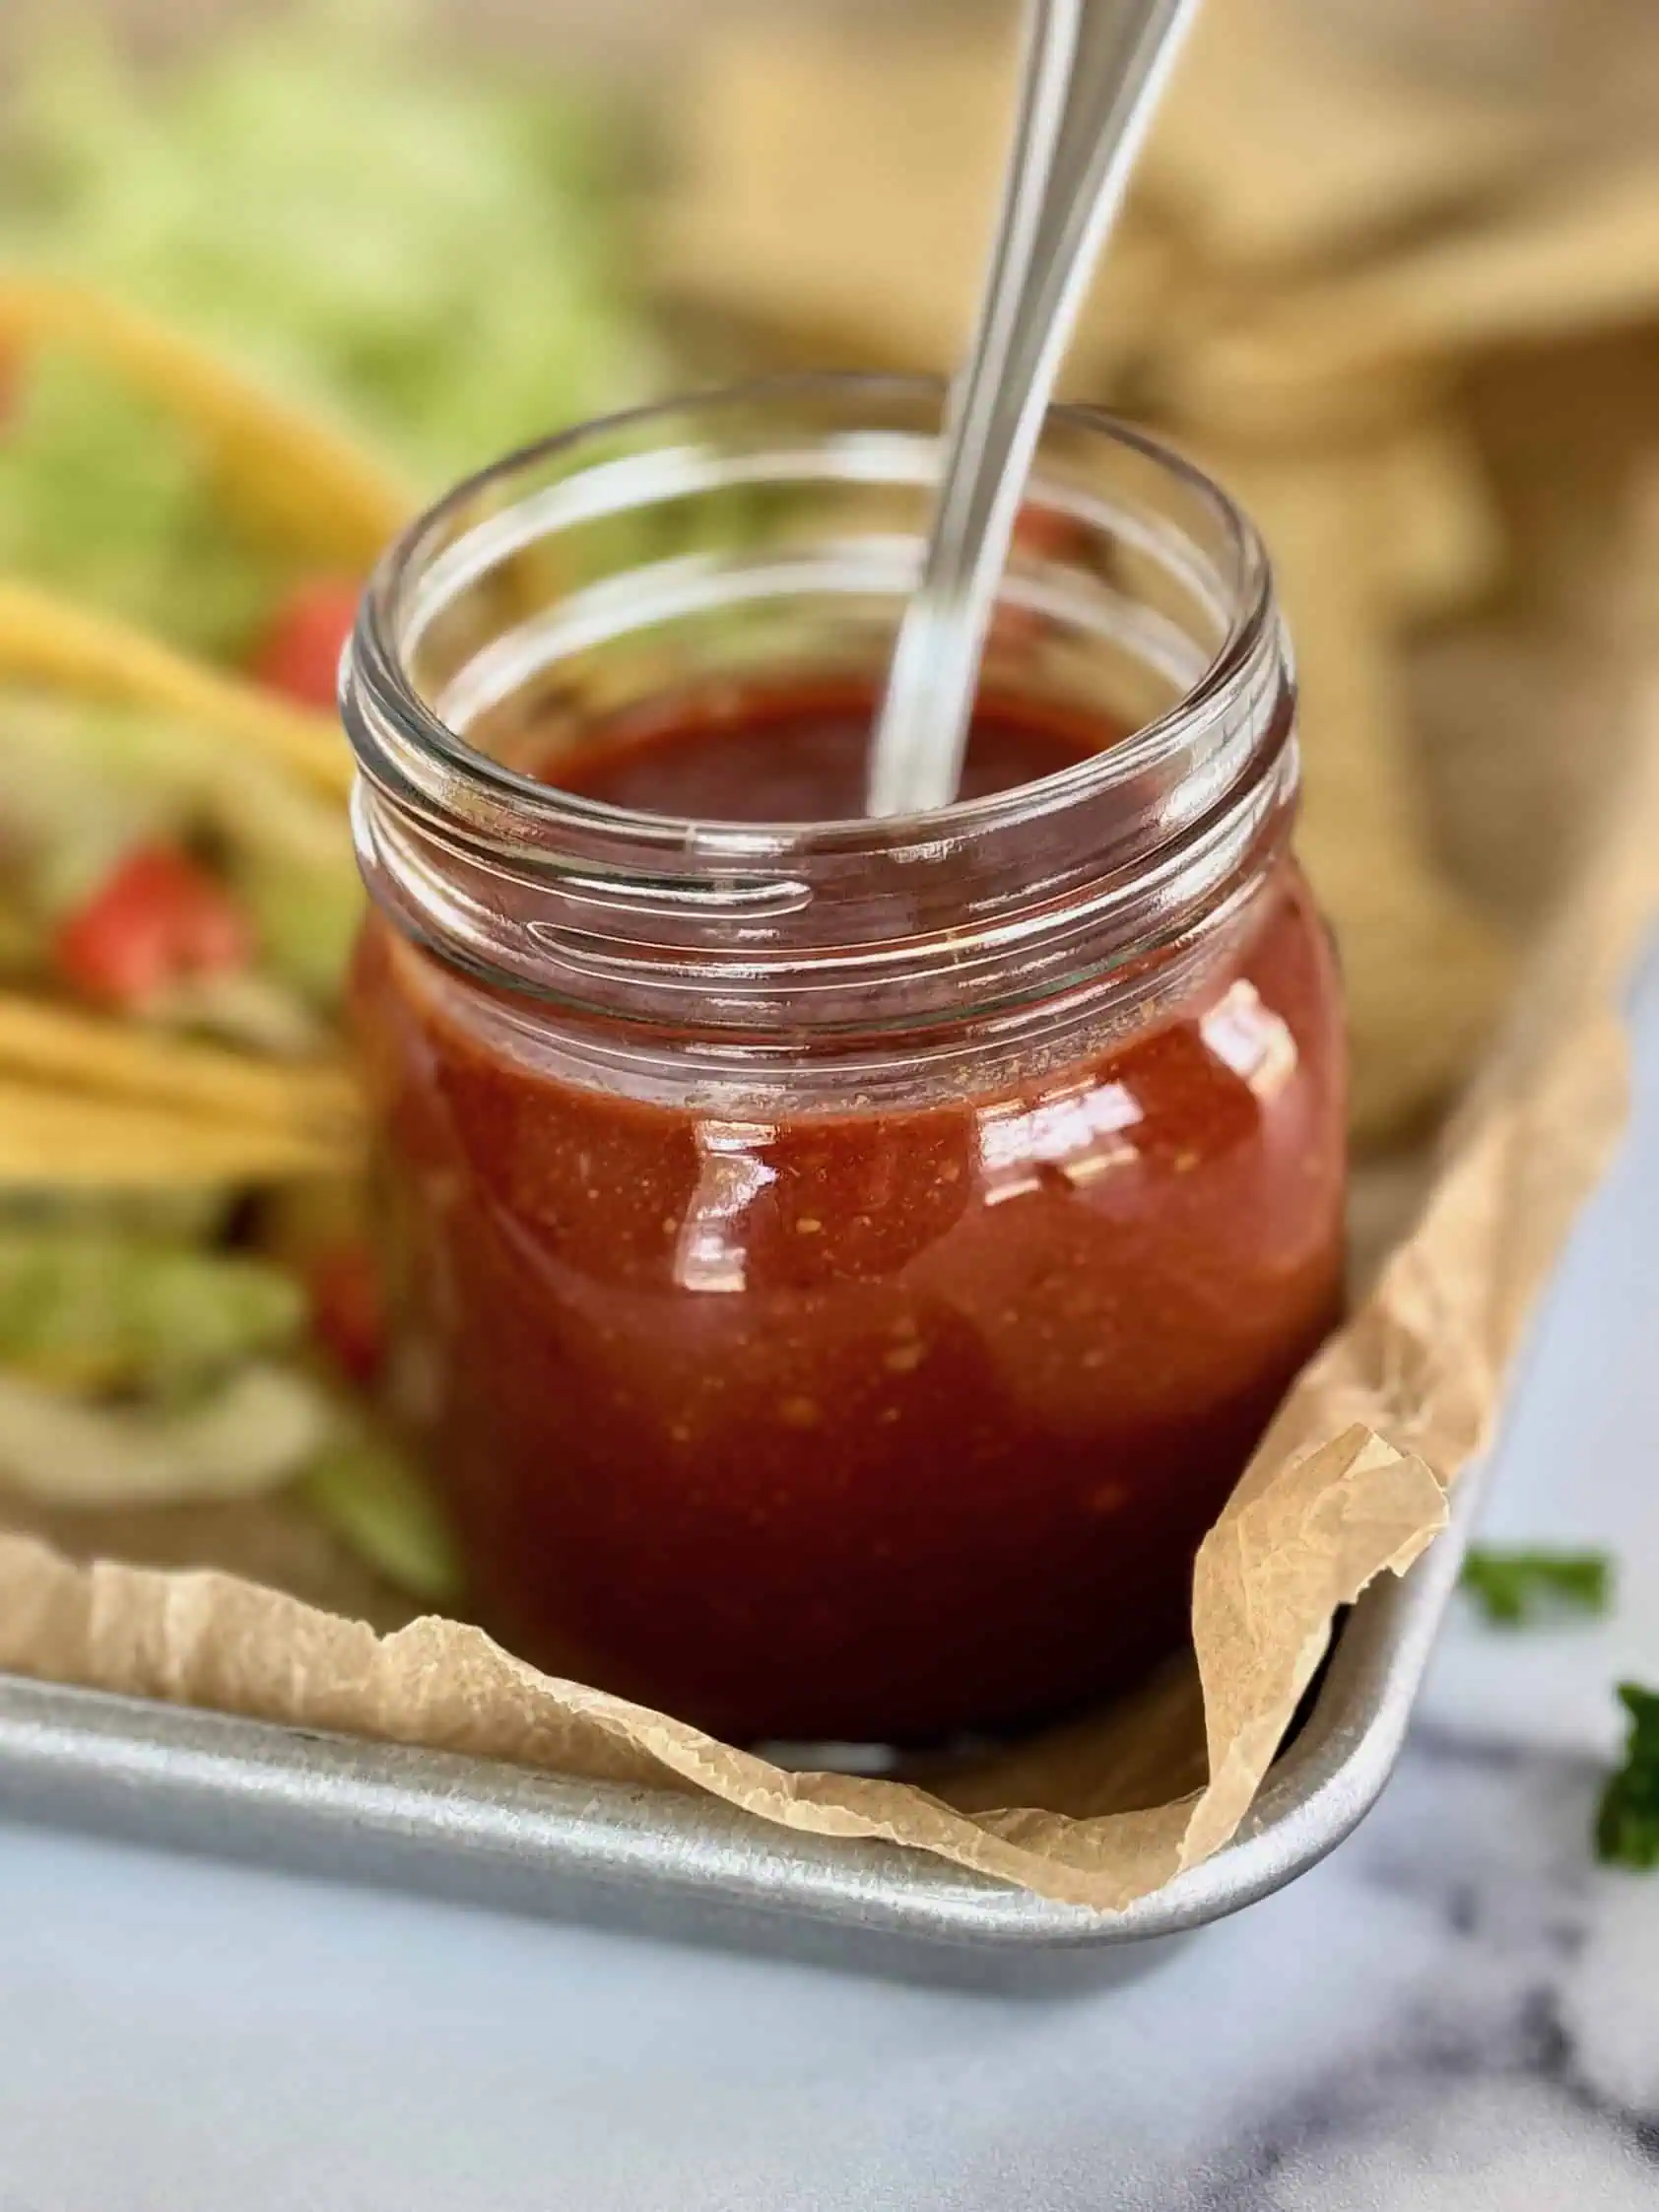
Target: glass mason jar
840,1267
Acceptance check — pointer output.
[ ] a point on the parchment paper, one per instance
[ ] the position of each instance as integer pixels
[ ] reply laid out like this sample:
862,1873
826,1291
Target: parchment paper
1349,1484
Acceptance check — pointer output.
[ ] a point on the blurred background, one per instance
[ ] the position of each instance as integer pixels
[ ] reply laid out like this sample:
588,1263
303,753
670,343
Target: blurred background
1391,271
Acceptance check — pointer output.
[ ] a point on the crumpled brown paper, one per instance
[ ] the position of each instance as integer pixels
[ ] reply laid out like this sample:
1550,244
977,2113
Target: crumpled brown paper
1347,1484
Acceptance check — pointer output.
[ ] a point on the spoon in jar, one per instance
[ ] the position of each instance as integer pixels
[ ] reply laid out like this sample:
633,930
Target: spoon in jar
1093,73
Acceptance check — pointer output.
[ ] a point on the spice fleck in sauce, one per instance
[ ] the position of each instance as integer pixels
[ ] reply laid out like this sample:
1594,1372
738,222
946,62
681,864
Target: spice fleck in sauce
863,1421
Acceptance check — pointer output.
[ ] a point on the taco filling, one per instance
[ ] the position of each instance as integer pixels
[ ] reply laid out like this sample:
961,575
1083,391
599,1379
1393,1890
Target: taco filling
209,426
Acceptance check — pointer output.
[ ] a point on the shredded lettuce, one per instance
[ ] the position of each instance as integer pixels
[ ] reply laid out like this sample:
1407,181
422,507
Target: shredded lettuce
432,251
288,856
306,918
435,259
81,783
376,1506
100,1312
106,496
80,786
167,1216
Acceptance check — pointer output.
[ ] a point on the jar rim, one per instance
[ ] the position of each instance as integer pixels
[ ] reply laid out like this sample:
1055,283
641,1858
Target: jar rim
373,659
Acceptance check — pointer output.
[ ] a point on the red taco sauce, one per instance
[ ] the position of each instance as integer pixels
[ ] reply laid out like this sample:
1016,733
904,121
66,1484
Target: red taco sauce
859,1417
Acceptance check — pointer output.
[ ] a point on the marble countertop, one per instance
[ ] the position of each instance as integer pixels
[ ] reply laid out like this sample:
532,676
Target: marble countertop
1459,2009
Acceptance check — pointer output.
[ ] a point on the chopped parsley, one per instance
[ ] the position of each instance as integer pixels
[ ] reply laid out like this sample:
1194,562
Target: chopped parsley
1627,1823
1518,1588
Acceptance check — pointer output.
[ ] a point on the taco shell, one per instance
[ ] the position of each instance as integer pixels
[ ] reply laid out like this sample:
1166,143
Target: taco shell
48,640
289,477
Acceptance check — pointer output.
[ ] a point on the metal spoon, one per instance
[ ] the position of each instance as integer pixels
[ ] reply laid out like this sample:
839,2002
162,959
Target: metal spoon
1093,73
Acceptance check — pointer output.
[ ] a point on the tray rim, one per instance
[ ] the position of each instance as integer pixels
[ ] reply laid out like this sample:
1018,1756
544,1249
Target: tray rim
191,1778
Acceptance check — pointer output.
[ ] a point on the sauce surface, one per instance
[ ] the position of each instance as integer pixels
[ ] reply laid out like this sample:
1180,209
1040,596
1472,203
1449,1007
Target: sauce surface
856,1424
798,755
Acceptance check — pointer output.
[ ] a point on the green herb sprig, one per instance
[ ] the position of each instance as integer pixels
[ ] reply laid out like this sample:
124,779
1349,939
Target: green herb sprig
1628,1821
1518,1589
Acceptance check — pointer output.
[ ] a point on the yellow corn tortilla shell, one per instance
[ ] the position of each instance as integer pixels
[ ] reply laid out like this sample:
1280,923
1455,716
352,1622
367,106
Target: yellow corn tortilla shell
46,638
1577,256
845,189
1281,143
56,1140
43,1042
290,478
1424,972
1439,536
1567,432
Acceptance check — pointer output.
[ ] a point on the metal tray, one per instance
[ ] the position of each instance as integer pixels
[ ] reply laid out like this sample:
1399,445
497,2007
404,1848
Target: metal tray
684,1866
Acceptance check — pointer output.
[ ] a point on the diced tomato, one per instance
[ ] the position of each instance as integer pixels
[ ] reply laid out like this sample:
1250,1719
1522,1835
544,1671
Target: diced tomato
159,920
300,654
347,1310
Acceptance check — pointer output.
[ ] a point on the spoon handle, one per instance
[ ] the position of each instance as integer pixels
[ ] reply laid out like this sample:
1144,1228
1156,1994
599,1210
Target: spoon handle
1093,73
